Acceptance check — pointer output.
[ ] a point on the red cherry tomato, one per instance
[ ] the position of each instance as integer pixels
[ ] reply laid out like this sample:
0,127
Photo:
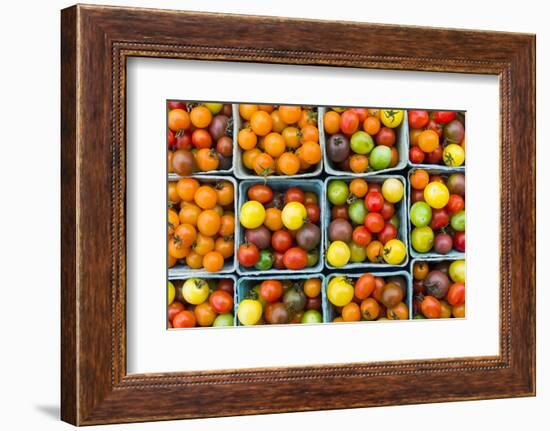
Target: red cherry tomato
440,218
183,141
456,294
294,194
361,236
174,104
435,156
248,255
278,260
417,196
313,213
362,113
444,116
271,290
418,119
375,187
339,211
374,222
171,138
349,122
226,284
374,201
459,241
221,302
389,231
388,210
416,155
295,258
385,136
201,139
455,204
436,127
281,240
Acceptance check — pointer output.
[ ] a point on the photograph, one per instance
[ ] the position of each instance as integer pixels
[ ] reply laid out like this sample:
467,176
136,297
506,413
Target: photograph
295,214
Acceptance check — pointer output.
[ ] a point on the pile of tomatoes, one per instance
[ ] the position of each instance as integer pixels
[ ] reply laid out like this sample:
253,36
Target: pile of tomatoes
277,302
436,138
437,213
201,223
368,297
439,289
281,230
199,137
361,139
200,302
364,224
282,140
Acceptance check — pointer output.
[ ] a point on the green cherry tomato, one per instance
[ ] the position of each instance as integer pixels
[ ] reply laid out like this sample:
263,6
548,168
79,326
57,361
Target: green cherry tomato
312,258
361,142
422,239
312,316
214,107
421,214
225,319
380,157
418,317
265,262
357,211
357,253
337,192
457,271
458,221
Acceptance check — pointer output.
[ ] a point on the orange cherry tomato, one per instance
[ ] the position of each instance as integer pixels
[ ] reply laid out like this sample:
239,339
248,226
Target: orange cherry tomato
359,187
399,312
209,222
309,133
358,163
261,123
189,213
185,234
263,164
225,192
225,246
288,163
371,125
213,261
351,312
186,189
205,314
249,156
419,179
370,309
310,152
178,119
203,244
176,249
290,114
278,124
274,144
246,111
173,195
173,221
206,197
184,319
331,122
227,225
200,116
207,159
273,219
247,139
194,260
312,287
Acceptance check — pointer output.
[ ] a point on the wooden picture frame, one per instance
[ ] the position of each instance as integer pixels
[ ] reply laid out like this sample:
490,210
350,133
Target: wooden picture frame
96,41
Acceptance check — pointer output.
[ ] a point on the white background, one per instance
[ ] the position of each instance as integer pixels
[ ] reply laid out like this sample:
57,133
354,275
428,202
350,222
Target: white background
29,227
153,349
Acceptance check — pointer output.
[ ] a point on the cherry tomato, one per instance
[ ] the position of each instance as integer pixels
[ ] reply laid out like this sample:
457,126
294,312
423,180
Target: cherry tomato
374,201
456,294
248,255
278,260
271,290
295,258
388,210
361,236
459,241
435,156
416,155
281,240
261,193
349,122
418,119
374,222
455,204
444,116
226,285
184,319
431,307
388,232
364,286
221,302
440,219
294,194
362,113
313,212
339,211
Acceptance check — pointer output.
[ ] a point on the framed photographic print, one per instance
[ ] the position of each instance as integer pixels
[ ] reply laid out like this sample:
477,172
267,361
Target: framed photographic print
246,215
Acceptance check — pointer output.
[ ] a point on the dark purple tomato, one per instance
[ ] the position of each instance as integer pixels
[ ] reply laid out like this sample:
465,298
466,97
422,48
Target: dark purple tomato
443,243
338,148
309,236
454,132
261,237
340,230
219,126
437,284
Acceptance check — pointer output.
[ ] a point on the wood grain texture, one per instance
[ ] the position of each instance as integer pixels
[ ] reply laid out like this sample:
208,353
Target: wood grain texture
96,41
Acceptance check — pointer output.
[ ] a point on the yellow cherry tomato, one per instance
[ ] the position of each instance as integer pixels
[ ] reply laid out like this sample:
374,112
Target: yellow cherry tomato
391,117
394,252
436,194
340,291
252,214
294,215
249,311
453,155
392,190
338,253
171,292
